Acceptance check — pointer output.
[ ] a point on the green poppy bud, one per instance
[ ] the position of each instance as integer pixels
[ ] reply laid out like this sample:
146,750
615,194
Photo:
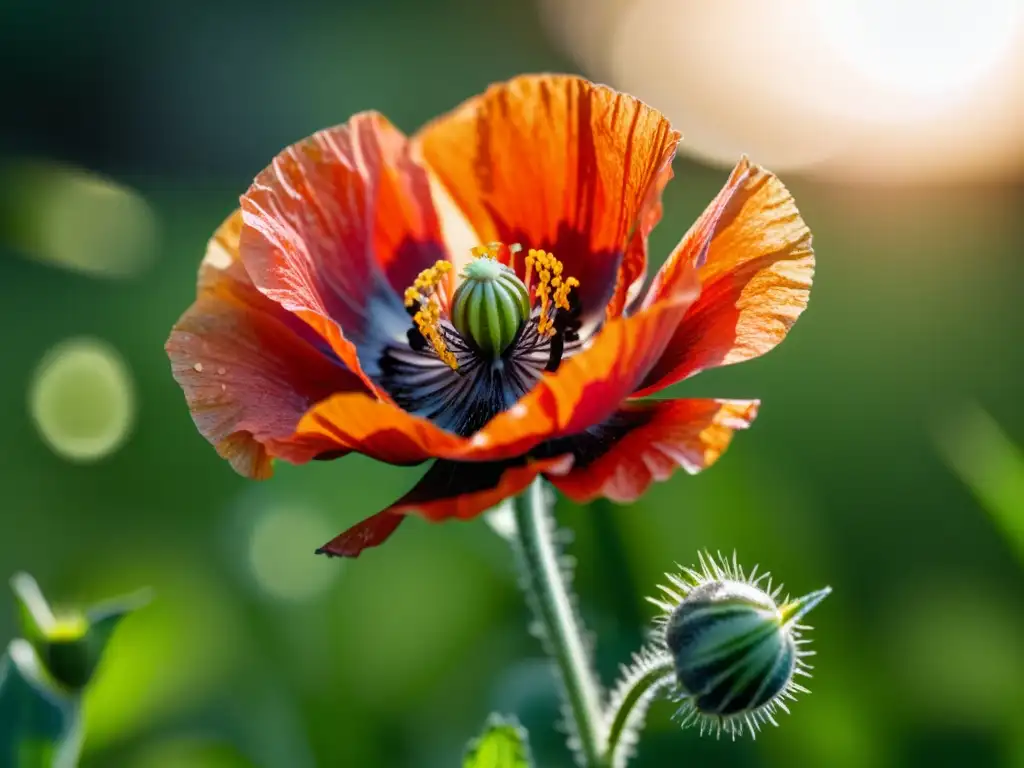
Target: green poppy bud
490,306
735,647
68,651
69,645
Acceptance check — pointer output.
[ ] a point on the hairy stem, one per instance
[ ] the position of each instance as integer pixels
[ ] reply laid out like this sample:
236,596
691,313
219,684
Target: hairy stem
548,591
650,674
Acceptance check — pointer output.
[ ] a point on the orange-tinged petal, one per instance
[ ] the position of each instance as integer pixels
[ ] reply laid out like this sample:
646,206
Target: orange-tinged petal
590,386
376,428
337,227
692,251
634,262
753,255
248,368
585,390
448,490
662,436
557,163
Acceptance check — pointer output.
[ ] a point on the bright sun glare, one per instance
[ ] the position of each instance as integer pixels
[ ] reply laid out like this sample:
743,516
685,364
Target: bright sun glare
879,90
928,49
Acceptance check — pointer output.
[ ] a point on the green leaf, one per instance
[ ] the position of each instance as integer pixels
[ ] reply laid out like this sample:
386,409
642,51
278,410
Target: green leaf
503,744
105,617
34,612
992,466
39,726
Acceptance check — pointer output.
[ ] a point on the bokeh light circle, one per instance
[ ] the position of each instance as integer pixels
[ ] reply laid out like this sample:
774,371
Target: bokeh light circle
281,556
82,400
84,222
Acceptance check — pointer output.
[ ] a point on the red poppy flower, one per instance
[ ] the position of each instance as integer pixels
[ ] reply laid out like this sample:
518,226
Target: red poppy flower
346,307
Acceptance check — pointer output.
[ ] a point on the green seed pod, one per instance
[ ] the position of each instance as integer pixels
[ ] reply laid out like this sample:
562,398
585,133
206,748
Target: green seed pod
735,648
490,306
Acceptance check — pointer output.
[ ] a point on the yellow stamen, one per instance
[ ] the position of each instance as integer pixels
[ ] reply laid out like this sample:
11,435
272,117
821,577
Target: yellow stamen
551,292
552,289
424,291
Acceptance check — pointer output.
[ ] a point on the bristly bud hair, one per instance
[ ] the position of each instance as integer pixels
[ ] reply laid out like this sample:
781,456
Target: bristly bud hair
736,648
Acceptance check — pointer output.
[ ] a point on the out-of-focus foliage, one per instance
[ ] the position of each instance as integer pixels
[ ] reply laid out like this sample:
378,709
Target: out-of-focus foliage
42,675
503,744
34,718
258,653
993,468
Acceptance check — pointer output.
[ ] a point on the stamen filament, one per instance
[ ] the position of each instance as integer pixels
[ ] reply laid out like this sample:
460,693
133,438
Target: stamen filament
552,290
425,291
512,251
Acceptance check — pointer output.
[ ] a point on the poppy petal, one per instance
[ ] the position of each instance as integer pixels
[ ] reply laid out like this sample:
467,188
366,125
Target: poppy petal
371,532
453,489
336,228
634,262
647,442
558,163
375,428
752,252
248,368
588,387
585,390
448,490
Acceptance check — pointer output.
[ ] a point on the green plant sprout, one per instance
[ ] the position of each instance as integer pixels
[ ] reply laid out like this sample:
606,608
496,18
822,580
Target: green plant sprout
44,673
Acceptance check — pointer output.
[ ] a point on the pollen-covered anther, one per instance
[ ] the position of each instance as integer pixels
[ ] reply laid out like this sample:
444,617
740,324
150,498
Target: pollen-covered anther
424,291
551,291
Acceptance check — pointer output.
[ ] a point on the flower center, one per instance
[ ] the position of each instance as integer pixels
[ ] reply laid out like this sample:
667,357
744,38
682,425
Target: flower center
491,304
475,351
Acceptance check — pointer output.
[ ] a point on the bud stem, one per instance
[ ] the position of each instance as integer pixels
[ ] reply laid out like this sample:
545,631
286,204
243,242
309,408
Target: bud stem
562,632
650,673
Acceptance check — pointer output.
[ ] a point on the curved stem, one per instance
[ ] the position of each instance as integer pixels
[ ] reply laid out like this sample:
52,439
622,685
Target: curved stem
643,681
547,589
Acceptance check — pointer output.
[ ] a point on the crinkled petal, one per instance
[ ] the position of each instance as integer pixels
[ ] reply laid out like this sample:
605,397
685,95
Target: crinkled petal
375,428
558,163
448,490
249,369
589,386
647,442
752,252
634,262
336,228
586,389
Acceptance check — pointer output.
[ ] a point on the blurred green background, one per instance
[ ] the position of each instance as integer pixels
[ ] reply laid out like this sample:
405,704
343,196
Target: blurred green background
128,131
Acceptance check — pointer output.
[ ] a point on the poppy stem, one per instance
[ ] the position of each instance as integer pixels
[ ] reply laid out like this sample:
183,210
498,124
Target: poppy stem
651,673
546,582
